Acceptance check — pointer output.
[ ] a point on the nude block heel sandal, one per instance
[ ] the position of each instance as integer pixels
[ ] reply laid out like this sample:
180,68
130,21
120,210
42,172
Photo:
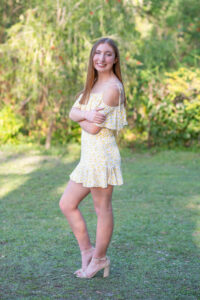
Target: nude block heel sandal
106,271
96,265
88,251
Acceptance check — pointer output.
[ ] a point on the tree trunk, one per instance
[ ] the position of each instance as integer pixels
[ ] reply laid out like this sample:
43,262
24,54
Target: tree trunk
49,134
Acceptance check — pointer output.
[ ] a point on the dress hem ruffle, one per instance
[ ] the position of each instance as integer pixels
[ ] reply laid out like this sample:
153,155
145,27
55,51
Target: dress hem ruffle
91,186
95,178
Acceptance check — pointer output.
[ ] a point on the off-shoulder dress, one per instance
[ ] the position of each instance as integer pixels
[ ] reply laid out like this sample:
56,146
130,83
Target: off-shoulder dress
100,162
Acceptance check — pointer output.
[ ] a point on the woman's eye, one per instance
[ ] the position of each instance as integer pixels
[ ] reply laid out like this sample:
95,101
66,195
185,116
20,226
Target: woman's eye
106,54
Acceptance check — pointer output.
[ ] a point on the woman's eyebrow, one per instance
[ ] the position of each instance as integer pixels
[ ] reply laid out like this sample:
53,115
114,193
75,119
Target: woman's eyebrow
105,51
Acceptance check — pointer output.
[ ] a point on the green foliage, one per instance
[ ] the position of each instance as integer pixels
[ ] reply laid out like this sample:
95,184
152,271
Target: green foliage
46,61
44,52
10,125
169,108
67,134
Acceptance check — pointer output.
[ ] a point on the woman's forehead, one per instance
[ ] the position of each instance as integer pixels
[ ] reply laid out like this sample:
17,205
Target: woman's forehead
104,47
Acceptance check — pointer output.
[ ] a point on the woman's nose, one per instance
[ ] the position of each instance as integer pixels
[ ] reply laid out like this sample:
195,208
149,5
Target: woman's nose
102,57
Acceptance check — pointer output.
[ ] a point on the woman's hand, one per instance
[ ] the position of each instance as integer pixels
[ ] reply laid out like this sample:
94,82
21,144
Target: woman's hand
95,116
89,127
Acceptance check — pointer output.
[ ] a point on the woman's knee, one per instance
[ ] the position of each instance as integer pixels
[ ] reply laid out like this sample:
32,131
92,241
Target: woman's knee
65,204
62,204
72,196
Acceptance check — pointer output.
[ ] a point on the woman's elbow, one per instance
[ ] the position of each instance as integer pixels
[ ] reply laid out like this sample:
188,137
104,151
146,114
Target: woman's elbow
95,129
71,115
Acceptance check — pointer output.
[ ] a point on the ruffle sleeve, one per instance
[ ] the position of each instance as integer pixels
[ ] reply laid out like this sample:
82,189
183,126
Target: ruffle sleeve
115,117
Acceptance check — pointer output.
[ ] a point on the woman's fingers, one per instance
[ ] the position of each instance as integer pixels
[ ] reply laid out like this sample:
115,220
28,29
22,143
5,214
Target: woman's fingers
101,117
99,108
95,116
100,120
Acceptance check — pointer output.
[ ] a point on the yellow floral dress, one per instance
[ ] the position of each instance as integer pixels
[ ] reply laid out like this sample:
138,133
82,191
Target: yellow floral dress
100,158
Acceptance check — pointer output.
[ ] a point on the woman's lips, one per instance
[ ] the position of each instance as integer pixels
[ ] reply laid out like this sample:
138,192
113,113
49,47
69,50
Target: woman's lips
101,65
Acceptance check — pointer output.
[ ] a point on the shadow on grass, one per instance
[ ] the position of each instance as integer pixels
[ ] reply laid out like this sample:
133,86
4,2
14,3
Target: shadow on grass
154,250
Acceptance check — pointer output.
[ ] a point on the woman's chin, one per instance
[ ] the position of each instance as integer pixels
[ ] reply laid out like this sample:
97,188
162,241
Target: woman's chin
102,70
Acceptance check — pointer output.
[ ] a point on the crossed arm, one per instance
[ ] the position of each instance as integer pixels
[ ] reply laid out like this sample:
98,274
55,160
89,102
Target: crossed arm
86,119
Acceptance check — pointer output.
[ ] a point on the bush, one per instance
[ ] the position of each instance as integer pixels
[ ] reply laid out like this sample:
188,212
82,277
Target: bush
10,125
169,107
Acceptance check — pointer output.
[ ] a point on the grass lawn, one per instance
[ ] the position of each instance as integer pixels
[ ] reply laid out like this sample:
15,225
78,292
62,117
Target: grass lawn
155,247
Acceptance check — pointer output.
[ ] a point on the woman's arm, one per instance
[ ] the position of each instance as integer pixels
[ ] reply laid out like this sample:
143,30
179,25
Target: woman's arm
76,114
93,116
86,119
89,127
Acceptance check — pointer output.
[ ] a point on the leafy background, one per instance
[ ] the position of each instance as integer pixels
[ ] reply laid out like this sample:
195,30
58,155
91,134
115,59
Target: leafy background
44,51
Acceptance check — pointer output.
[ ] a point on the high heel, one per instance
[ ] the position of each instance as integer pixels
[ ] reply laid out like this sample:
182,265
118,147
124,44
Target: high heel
91,251
96,265
106,271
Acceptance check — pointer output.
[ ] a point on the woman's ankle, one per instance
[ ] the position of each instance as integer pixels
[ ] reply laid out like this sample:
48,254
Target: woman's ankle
86,248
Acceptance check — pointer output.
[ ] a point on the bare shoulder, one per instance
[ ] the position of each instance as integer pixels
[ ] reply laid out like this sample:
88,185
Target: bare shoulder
111,94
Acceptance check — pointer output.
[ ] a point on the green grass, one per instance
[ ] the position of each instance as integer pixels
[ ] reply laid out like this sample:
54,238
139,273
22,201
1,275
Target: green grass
154,251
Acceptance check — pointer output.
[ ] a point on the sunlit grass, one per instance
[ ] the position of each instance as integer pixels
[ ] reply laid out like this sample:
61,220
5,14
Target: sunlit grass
155,246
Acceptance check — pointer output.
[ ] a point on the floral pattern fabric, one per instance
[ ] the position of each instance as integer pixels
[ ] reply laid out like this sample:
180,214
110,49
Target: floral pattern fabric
100,162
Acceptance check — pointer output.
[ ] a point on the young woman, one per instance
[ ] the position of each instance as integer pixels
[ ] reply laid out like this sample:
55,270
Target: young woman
100,111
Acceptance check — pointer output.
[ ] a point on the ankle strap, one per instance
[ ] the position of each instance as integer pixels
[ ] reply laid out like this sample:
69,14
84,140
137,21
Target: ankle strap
100,258
87,250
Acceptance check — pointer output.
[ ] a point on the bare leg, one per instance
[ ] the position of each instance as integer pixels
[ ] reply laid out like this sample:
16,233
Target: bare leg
72,196
103,206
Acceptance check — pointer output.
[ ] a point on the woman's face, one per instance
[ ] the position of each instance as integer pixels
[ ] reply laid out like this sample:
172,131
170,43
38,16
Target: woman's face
104,58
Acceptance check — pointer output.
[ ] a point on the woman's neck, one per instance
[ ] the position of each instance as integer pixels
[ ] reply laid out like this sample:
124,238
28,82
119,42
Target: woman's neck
104,77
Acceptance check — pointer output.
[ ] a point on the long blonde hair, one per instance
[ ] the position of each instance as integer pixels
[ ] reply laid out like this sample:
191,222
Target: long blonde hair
92,74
